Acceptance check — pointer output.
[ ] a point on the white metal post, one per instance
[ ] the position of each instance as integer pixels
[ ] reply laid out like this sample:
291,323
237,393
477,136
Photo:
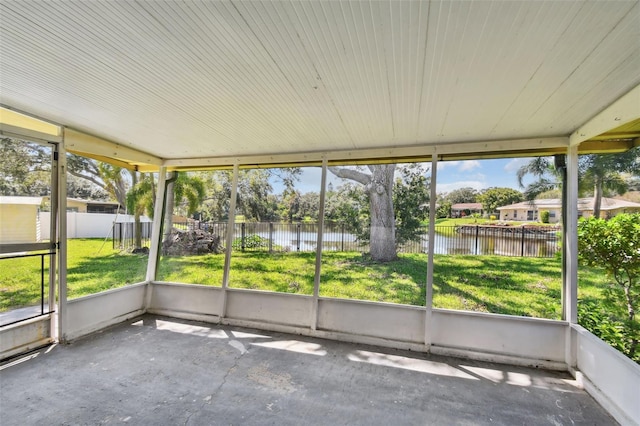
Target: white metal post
53,232
230,230
570,284
156,229
316,280
62,241
431,244
570,260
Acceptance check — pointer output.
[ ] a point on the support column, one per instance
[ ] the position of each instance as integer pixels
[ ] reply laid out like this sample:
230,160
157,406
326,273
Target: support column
316,280
53,237
62,241
570,229
230,231
156,234
431,247
570,258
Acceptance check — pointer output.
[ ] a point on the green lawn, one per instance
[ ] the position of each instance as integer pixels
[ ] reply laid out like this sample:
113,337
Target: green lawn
506,285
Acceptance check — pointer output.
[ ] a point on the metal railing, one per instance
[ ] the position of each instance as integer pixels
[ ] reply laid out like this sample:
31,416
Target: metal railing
523,241
22,314
124,237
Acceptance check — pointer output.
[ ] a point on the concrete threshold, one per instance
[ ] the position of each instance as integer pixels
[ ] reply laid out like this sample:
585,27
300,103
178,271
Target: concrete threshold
162,371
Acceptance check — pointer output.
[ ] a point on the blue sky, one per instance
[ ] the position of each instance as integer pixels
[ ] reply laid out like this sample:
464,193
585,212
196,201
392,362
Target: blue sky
480,174
477,174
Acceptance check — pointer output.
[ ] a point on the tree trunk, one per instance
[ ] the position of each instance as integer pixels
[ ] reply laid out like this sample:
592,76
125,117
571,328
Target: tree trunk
379,186
631,314
382,240
597,197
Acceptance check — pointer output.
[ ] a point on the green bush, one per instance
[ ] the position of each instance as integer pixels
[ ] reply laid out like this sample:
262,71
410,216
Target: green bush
544,216
615,246
493,217
250,242
594,317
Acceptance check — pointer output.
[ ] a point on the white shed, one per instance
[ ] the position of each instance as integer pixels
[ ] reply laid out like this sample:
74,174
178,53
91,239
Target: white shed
19,219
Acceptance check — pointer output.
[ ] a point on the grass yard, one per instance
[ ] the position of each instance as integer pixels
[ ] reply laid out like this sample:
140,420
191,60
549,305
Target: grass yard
505,285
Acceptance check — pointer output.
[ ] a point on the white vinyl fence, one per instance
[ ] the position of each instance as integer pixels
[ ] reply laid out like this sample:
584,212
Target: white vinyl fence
86,225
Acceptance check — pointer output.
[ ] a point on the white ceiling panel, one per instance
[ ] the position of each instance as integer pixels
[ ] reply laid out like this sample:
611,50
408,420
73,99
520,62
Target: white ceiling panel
228,78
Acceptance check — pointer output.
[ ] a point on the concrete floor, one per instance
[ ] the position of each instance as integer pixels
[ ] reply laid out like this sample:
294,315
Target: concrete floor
161,371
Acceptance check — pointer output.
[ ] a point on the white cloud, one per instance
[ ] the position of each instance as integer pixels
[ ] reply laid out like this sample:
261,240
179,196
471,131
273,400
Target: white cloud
461,166
468,165
447,164
448,187
513,165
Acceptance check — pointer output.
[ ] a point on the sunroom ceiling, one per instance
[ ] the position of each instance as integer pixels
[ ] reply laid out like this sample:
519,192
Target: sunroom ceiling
196,79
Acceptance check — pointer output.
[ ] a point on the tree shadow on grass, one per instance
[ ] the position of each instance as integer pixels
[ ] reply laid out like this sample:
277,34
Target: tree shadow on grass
95,274
504,285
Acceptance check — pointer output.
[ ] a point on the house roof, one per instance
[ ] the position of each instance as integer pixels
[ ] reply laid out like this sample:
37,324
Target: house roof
465,206
583,204
194,83
106,203
35,201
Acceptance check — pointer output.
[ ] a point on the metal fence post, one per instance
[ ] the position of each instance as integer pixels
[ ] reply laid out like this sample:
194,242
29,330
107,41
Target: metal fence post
477,232
342,237
522,244
298,237
270,237
242,235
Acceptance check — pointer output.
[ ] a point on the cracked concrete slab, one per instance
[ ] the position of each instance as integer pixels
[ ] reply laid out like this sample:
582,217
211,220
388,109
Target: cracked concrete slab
162,371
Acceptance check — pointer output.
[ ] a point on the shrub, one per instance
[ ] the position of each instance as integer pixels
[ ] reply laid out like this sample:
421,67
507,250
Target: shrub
493,217
250,242
615,246
544,216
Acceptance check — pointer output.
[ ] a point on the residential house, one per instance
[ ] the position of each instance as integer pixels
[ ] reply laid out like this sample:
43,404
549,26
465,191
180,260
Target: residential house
465,209
530,210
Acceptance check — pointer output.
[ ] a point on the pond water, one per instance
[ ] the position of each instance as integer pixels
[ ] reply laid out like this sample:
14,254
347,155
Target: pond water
529,245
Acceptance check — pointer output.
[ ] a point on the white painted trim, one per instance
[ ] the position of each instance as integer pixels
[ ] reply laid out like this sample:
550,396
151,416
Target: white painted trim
619,113
229,240
212,319
76,334
27,348
156,228
422,152
62,241
53,228
86,144
570,286
497,358
21,133
331,335
316,280
604,401
620,374
100,310
432,239
26,335
497,316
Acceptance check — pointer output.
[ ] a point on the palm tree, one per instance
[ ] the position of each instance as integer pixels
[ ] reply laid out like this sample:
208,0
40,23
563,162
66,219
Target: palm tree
600,174
604,173
181,188
548,177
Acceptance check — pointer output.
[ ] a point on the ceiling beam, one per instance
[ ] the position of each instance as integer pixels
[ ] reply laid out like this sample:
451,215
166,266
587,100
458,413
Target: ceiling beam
490,149
625,110
91,146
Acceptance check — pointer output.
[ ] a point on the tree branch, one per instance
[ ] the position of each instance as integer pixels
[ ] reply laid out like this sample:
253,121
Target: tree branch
89,178
345,173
